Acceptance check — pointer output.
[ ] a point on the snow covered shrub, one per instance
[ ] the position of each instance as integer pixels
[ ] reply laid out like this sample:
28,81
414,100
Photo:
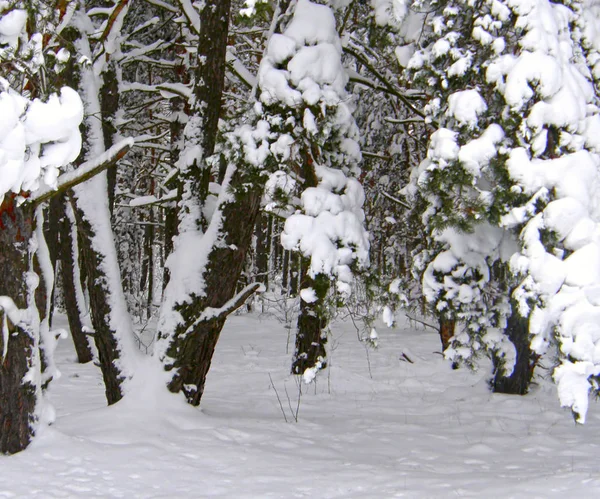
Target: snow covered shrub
513,161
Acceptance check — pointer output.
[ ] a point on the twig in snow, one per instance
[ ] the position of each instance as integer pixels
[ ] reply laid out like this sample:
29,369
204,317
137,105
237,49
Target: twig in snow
406,358
396,200
278,399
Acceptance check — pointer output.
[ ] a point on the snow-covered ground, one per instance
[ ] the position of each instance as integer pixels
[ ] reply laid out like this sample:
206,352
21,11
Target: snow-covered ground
396,430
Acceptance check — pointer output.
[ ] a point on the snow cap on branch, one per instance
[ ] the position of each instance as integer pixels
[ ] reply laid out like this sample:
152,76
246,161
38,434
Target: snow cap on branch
37,138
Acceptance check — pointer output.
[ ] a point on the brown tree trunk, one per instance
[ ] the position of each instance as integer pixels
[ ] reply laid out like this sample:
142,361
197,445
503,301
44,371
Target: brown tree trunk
109,105
105,337
447,327
191,347
262,249
17,393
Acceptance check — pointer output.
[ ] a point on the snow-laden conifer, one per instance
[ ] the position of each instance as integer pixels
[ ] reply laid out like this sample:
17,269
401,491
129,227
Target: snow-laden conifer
313,148
513,155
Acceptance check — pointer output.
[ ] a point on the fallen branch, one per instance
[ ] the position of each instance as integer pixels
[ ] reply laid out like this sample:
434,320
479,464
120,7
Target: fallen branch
406,358
396,200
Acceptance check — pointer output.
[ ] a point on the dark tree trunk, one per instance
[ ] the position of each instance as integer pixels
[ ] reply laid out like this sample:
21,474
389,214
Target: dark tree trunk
518,382
447,327
68,265
105,336
193,343
52,236
296,272
311,337
17,397
262,249
176,126
192,349
109,105
285,273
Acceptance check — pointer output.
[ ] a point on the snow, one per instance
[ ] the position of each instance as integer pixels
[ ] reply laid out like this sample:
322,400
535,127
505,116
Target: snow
396,430
11,25
389,12
37,138
466,106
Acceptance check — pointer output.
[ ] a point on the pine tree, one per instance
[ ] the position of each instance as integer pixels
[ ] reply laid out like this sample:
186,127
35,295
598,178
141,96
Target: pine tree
501,75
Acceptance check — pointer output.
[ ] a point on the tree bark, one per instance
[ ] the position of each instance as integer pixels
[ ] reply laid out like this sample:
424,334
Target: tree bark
69,265
17,392
189,349
109,105
105,334
311,337
447,327
262,249
192,350
518,382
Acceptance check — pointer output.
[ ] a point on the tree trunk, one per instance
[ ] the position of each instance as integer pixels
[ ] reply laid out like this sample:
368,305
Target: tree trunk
447,327
262,249
188,350
109,106
99,286
73,295
193,345
18,393
518,382
113,333
311,337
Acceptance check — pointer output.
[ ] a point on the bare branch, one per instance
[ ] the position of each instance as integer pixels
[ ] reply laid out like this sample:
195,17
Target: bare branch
396,200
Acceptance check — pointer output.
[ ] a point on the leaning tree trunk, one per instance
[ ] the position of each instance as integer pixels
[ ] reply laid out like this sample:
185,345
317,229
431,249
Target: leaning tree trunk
518,382
18,349
187,350
194,341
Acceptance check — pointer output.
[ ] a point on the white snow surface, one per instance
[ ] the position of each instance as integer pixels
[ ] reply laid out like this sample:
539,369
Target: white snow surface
410,430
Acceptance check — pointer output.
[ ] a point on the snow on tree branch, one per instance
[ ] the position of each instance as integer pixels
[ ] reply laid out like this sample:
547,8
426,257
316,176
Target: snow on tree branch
84,172
37,138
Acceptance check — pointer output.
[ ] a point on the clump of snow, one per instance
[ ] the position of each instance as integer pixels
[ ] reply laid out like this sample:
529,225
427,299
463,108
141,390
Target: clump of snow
465,106
37,138
330,228
308,295
389,12
12,25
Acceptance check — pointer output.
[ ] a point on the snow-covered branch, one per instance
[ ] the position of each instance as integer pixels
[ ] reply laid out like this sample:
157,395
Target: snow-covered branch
215,314
11,314
86,171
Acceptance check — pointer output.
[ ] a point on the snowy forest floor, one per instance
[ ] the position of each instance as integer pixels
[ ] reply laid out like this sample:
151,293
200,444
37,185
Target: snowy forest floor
394,430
